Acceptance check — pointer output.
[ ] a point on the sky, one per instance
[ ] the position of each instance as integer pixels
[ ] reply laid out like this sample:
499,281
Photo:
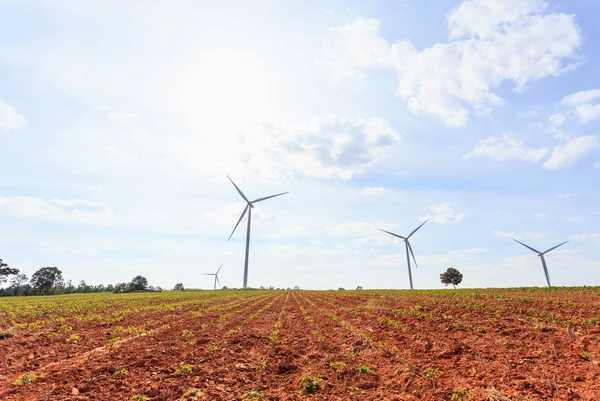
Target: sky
120,121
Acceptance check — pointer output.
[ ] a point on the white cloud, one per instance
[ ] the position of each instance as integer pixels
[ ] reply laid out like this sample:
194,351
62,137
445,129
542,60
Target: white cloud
557,119
444,213
356,229
511,234
62,249
597,165
10,119
587,237
228,215
462,255
72,211
490,41
564,196
571,152
506,149
324,146
582,101
121,154
375,190
574,219
581,97
124,117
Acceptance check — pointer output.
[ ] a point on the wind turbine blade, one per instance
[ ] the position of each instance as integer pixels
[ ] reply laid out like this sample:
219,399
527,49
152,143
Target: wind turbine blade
219,268
239,190
554,247
238,223
268,197
527,246
395,235
415,230
218,281
545,270
209,274
413,255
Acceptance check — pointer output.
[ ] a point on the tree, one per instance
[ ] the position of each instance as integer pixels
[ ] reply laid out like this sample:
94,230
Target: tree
6,271
17,283
358,288
46,278
451,276
179,287
139,283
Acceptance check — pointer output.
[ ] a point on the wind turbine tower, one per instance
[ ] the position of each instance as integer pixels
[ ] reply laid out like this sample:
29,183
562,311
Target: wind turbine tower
248,208
408,249
216,276
541,255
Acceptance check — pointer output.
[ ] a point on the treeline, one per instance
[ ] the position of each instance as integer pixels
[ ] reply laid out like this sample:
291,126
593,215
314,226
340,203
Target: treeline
49,281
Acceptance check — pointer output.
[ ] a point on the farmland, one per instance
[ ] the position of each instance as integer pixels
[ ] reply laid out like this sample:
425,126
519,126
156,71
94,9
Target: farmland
509,344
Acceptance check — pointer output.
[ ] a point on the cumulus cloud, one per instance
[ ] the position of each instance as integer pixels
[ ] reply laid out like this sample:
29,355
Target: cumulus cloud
72,210
375,190
569,153
444,213
585,103
324,146
490,42
557,119
10,119
506,149
587,237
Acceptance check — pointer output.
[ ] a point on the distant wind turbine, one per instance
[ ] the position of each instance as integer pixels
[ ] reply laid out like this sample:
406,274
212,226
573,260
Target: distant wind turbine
408,248
248,208
541,255
216,276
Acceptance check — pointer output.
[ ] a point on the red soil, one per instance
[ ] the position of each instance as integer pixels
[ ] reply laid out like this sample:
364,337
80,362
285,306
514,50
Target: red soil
493,344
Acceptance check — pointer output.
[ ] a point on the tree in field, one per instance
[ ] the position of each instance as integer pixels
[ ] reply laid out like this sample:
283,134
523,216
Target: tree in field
451,276
6,271
17,282
139,283
46,278
178,287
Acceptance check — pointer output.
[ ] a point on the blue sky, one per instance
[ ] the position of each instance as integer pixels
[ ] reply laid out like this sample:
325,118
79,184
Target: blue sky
120,121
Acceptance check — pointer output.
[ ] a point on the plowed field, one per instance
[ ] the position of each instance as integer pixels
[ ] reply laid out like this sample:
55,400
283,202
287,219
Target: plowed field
517,344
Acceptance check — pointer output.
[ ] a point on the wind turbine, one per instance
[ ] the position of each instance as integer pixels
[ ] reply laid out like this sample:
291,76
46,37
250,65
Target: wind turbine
248,208
408,248
541,255
216,276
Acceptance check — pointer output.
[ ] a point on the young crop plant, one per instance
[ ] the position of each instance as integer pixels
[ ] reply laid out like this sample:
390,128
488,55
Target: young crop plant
121,372
190,393
362,369
73,339
461,395
213,347
431,373
263,363
252,396
339,367
310,384
139,397
184,370
27,378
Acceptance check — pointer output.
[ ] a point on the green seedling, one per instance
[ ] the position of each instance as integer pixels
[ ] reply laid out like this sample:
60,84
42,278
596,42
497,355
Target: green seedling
310,384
